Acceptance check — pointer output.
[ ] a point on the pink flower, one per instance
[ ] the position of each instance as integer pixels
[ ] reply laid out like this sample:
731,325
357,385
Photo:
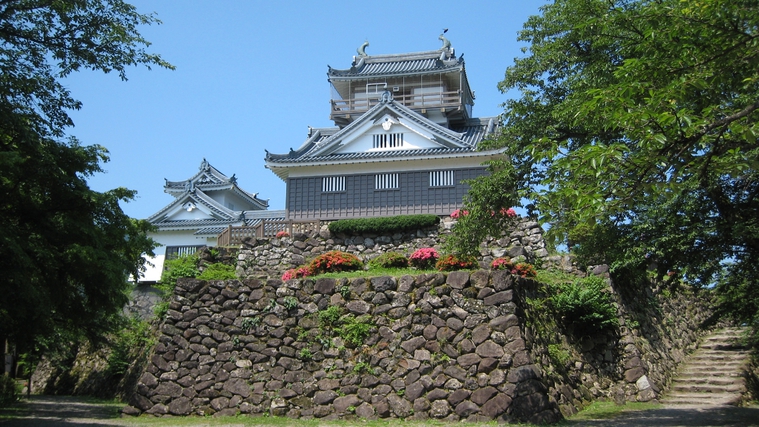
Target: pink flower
459,213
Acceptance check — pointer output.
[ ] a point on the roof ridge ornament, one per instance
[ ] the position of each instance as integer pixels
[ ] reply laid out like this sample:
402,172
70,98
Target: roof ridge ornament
204,164
447,50
362,49
386,96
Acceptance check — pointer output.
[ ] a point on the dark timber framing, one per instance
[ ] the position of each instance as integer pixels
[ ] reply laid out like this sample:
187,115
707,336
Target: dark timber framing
414,195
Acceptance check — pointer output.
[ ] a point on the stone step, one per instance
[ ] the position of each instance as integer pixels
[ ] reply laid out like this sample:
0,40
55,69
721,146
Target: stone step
704,366
708,388
713,375
715,380
702,399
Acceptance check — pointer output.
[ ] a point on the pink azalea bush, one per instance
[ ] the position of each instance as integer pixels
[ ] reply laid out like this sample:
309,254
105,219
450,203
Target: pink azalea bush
522,269
502,264
423,258
458,213
296,273
282,233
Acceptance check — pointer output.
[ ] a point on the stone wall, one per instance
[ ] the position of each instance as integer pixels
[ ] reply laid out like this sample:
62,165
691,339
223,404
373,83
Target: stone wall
658,326
262,258
458,346
442,346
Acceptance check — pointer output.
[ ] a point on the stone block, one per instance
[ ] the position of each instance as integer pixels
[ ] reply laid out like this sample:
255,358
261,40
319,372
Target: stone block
458,279
466,408
499,298
482,395
490,349
325,286
458,396
496,406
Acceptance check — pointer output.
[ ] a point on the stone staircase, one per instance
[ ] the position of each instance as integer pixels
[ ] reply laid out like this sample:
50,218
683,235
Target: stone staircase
713,374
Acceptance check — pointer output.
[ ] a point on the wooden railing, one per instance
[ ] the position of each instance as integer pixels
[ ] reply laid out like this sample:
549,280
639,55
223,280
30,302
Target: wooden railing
419,100
233,236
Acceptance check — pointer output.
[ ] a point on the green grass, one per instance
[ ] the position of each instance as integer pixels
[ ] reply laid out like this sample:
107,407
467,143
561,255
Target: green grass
605,410
243,420
555,277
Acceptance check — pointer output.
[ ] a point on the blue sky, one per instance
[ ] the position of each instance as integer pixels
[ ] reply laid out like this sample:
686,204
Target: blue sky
251,76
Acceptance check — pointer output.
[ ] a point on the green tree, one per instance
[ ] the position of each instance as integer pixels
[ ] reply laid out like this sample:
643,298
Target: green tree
66,251
634,135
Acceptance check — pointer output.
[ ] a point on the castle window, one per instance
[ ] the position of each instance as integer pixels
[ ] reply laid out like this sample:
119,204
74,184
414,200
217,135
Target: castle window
386,181
441,179
387,140
333,184
174,252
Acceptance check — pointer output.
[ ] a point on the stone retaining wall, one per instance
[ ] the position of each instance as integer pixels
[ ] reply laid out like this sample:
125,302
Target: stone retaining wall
457,346
270,257
445,347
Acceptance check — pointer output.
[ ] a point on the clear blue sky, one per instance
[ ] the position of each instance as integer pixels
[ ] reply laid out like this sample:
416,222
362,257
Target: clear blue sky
251,75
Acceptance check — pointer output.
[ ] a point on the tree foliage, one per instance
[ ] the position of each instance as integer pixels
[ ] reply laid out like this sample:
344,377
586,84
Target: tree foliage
484,211
66,251
634,135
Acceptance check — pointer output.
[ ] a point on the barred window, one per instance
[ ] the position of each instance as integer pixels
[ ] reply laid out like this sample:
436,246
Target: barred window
441,179
174,252
387,140
386,181
333,184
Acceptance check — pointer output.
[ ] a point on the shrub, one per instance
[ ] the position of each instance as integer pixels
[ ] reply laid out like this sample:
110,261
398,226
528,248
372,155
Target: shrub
184,266
355,330
296,273
333,262
559,356
383,225
328,317
524,269
282,233
456,262
389,260
134,336
423,258
502,264
8,391
218,271
586,304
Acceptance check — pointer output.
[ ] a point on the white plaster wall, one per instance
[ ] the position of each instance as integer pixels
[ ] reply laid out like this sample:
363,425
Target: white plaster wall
170,238
412,139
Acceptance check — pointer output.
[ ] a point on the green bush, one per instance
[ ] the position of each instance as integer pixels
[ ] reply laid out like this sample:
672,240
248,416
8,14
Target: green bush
135,335
355,330
184,266
586,304
8,390
389,260
218,271
383,225
329,317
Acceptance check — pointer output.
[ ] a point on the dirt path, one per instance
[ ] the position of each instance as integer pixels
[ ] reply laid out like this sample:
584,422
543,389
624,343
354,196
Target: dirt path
55,411
716,416
67,411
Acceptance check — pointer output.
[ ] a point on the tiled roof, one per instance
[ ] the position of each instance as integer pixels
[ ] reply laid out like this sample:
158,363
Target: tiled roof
464,139
385,65
252,219
208,178
186,224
